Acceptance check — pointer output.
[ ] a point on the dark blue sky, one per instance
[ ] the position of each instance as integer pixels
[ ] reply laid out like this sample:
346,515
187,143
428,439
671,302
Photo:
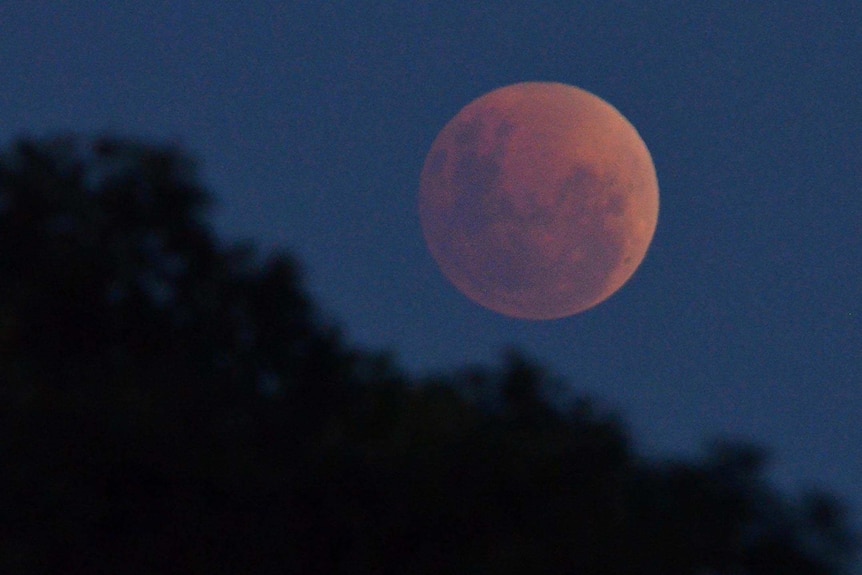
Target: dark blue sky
312,119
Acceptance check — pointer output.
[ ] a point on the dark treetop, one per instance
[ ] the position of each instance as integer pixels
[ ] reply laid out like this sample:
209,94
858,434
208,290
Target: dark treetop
173,405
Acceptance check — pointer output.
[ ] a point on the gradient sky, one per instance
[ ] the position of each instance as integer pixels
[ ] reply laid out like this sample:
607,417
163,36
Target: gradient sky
311,121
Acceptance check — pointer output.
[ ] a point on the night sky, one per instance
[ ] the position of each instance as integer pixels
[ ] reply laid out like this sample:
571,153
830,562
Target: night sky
311,121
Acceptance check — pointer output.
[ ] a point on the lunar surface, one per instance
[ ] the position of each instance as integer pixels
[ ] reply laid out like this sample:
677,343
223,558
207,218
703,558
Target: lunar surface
538,200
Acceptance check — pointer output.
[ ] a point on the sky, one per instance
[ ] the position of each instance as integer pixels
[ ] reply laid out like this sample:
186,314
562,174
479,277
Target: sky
311,121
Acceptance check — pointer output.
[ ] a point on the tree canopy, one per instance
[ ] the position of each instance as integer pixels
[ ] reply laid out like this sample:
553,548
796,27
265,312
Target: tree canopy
171,404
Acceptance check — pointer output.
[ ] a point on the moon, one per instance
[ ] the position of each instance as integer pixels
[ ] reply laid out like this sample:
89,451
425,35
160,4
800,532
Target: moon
538,200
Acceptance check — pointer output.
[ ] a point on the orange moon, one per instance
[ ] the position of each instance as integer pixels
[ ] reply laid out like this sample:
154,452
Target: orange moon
538,200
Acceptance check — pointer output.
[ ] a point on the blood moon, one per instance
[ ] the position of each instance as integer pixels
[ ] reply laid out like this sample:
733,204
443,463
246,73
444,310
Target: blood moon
538,200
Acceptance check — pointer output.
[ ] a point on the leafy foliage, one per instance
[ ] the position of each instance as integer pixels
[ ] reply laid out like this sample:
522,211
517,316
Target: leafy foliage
172,405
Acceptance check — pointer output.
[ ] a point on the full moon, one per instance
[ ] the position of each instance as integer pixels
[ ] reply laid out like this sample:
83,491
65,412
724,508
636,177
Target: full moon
538,200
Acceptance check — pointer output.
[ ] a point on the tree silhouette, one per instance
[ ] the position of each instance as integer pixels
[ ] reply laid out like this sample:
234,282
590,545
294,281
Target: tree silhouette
169,404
